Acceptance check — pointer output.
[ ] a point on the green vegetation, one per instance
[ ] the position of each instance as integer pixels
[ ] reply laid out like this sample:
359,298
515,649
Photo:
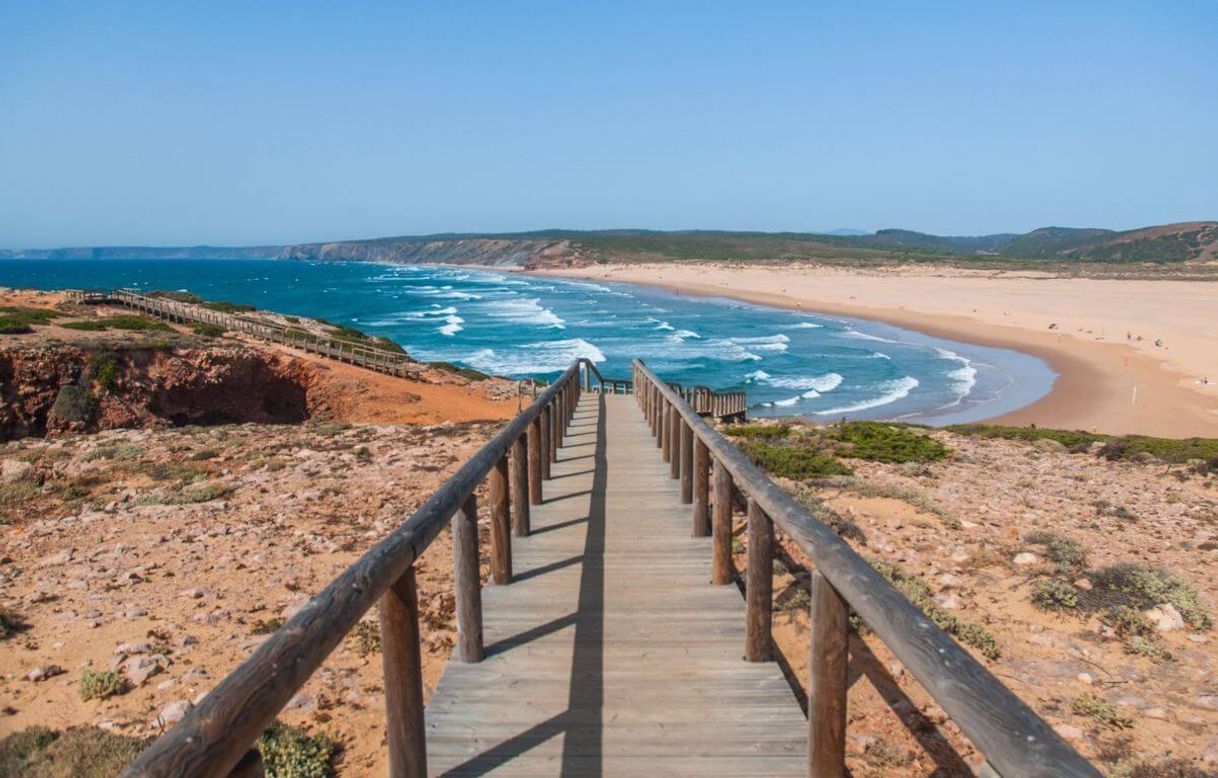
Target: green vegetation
794,462
207,330
879,442
204,493
227,307
266,626
121,451
757,431
17,492
865,488
101,684
365,638
291,752
77,752
1146,586
1055,594
105,368
464,372
1101,711
352,335
1066,552
920,595
1126,447
181,297
16,320
122,322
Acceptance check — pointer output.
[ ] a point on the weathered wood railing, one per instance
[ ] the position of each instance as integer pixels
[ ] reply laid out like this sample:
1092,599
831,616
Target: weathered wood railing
368,356
216,737
704,400
1014,740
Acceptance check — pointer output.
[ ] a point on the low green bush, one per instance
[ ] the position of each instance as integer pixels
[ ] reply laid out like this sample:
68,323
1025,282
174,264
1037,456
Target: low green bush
1146,586
291,752
86,325
879,442
207,330
1066,552
227,307
80,752
757,431
101,684
464,372
17,320
1127,447
794,462
1054,594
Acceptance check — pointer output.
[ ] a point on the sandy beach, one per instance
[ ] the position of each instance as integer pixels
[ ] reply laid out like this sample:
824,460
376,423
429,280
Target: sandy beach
1112,376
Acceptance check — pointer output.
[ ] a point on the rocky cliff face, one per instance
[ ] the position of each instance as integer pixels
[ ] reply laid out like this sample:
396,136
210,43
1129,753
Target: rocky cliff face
505,252
55,389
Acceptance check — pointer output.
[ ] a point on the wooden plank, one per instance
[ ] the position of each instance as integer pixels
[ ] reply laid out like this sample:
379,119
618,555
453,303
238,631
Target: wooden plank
467,584
827,685
759,589
401,657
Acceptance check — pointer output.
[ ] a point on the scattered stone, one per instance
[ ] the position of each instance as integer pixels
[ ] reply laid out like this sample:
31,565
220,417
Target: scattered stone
173,713
1026,558
140,668
43,672
193,593
15,470
1165,617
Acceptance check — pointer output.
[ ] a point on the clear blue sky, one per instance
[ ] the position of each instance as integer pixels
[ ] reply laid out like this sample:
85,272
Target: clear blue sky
177,123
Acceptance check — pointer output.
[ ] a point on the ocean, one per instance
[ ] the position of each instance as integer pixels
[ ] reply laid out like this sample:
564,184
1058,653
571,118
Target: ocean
790,363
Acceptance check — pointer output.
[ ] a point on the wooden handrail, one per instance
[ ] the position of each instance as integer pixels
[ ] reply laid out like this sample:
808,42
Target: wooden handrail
220,731
1013,738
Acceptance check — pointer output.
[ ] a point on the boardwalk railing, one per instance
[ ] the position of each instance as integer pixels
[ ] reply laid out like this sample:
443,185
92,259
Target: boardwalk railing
365,355
216,737
1014,740
704,400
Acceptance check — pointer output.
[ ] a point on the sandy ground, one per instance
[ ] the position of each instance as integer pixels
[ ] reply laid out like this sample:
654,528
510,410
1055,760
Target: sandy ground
1108,382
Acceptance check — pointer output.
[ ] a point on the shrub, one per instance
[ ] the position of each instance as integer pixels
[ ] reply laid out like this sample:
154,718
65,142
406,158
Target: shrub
81,752
120,451
879,442
136,323
227,307
1141,646
1128,622
1063,550
87,325
757,431
1054,594
266,626
181,297
919,594
1068,438
101,684
1101,710
464,372
291,752
204,493
11,623
207,330
15,320
16,492
366,638
795,462
1146,586
105,369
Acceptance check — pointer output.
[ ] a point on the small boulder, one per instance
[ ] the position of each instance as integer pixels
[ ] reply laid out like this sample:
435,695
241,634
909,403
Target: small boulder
1025,558
15,470
140,668
1165,617
173,713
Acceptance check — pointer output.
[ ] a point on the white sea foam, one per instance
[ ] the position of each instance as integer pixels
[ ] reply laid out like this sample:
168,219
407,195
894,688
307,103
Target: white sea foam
893,390
964,378
769,343
757,375
855,334
545,357
806,325
665,326
526,310
452,325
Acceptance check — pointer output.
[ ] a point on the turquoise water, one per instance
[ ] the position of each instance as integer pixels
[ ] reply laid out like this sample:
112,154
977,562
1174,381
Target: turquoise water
823,367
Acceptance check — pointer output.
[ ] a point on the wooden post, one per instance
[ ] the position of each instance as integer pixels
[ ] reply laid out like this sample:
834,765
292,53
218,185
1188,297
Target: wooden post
535,454
501,541
721,553
687,463
520,486
547,443
827,682
466,583
401,660
665,438
558,422
702,523
759,588
674,445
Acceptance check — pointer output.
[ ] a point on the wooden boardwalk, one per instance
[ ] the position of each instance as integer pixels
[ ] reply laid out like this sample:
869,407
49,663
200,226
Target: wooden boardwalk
611,653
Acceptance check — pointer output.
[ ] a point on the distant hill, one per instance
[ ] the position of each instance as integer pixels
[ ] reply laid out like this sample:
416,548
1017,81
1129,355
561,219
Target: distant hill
1186,242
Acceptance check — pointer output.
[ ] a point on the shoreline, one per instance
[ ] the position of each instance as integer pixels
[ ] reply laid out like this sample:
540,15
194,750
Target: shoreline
1101,386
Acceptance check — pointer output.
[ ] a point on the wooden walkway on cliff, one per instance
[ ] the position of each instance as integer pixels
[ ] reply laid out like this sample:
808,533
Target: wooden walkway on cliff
609,641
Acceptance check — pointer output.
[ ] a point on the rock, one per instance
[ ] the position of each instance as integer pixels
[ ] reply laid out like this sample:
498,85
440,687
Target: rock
949,581
140,668
58,558
1165,617
1155,713
1026,558
193,593
187,640
43,672
130,649
1048,444
302,702
1086,678
1207,701
173,713
1083,583
15,470
949,602
1069,731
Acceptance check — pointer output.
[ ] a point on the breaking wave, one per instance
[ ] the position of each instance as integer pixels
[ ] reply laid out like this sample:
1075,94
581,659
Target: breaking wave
894,390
